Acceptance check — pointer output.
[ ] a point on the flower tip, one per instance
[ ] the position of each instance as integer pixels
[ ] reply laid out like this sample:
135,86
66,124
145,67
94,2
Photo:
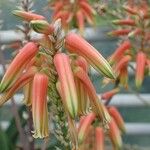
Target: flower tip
41,26
110,33
115,22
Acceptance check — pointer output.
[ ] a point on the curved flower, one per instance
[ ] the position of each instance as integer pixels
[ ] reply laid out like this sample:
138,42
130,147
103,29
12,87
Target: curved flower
22,81
99,141
28,16
140,68
76,44
39,106
97,105
117,117
67,83
84,127
114,135
18,65
119,52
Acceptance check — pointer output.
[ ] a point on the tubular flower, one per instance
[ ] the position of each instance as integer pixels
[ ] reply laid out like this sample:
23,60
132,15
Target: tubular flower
76,44
83,99
62,64
120,32
123,76
122,63
80,21
84,127
140,67
98,107
108,95
129,22
39,106
42,26
27,90
28,16
17,65
130,10
22,81
114,135
117,117
81,62
82,12
99,142
119,52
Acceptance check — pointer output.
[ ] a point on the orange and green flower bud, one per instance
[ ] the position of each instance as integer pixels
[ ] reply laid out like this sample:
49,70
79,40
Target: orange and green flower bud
27,91
81,62
130,10
97,105
135,32
80,21
108,95
128,21
140,68
114,135
89,17
84,127
122,63
39,106
123,76
117,117
87,7
27,16
83,99
18,65
42,26
119,52
99,141
22,81
66,78
119,32
76,44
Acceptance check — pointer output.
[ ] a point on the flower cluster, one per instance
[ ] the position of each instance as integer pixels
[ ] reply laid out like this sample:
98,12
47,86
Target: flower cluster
134,29
75,13
48,75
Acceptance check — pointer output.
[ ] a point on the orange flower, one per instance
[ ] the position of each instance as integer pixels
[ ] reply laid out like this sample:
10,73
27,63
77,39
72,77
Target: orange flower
119,52
114,135
130,10
128,21
123,76
122,63
83,99
120,32
67,83
22,81
99,141
17,65
117,117
27,91
97,105
108,95
76,44
39,106
84,127
27,16
80,20
140,68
